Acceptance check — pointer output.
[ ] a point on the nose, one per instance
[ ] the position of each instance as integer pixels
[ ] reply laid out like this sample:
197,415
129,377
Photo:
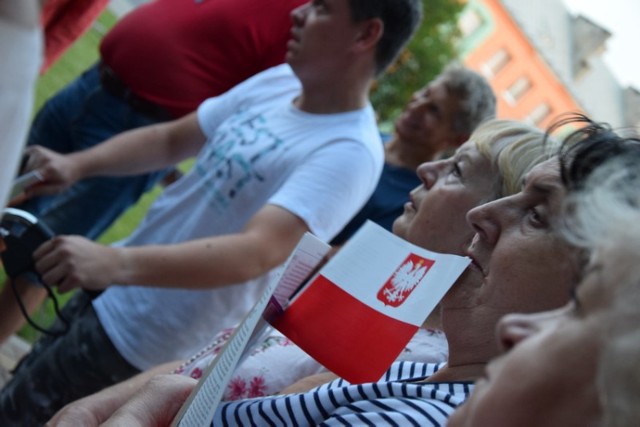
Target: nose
484,221
428,172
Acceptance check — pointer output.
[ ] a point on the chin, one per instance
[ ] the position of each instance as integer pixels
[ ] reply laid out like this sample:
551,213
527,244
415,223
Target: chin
398,228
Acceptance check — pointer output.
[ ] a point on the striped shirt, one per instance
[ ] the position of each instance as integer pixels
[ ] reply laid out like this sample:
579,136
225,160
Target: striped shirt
396,400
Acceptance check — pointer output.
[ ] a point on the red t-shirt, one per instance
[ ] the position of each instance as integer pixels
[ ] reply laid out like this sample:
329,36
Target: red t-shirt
177,53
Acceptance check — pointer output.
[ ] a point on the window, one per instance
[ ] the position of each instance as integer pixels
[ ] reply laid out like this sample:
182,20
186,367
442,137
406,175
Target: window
469,22
496,63
539,113
517,89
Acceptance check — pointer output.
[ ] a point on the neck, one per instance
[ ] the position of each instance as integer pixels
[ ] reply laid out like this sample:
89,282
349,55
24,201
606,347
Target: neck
407,155
334,96
450,373
471,338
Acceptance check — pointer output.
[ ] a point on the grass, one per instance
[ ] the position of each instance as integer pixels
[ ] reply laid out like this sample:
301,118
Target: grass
78,58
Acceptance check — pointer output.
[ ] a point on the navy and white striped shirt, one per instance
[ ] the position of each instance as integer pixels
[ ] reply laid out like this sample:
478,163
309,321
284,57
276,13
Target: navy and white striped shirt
396,400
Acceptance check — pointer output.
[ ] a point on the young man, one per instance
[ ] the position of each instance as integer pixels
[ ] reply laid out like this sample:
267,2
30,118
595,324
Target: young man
207,48
292,150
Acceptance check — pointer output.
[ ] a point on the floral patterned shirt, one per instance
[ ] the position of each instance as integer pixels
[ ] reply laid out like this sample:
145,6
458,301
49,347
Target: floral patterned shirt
276,362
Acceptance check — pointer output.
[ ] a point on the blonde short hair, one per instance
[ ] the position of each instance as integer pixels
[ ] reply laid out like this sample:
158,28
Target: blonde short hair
513,148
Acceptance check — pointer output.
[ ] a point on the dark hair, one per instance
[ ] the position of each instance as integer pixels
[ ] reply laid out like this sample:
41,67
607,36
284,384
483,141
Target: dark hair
400,18
591,146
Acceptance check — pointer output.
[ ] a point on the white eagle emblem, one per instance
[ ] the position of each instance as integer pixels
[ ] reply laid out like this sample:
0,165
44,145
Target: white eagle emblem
404,280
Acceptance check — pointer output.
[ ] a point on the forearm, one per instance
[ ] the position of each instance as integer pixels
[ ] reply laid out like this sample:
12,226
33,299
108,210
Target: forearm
218,261
140,150
204,263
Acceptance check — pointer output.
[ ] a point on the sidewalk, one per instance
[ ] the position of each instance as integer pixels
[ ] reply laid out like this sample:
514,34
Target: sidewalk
10,352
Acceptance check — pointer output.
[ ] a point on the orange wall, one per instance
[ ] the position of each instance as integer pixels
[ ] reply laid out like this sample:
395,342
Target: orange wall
546,88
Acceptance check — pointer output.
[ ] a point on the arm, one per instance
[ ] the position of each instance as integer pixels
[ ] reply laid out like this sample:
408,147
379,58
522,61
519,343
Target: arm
137,151
266,242
98,407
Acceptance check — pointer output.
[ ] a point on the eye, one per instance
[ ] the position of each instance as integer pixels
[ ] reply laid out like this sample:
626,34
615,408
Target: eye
536,218
577,305
456,170
319,4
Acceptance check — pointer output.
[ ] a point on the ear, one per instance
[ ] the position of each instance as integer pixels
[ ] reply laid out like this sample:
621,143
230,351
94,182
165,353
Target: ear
369,34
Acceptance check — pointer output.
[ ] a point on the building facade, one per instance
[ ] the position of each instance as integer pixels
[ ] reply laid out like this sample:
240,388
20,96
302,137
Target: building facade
542,62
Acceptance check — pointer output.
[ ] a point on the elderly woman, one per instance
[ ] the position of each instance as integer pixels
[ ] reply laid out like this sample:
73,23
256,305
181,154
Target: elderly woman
492,164
578,365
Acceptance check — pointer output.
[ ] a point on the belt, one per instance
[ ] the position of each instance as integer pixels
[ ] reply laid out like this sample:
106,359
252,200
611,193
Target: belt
116,87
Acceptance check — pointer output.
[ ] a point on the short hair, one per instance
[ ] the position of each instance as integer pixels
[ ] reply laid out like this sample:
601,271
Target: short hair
602,212
617,375
477,102
589,147
513,148
600,170
401,18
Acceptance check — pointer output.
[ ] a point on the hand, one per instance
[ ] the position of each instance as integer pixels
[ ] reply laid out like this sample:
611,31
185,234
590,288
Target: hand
58,171
90,411
156,404
70,262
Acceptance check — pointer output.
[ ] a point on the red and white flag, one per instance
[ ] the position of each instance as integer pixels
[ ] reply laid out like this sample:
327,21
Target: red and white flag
361,309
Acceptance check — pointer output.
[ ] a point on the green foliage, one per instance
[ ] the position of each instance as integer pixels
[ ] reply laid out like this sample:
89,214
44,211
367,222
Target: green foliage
432,47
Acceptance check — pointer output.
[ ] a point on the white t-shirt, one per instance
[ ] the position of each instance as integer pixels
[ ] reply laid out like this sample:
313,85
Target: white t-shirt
21,53
260,150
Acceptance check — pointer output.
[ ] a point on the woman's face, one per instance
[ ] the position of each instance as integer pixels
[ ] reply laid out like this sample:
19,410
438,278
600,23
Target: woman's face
520,263
434,217
547,376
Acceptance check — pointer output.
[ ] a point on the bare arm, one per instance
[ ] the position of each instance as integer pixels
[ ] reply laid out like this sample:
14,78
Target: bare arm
267,241
98,407
137,151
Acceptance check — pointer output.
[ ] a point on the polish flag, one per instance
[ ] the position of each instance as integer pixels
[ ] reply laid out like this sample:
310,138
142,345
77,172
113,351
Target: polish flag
361,309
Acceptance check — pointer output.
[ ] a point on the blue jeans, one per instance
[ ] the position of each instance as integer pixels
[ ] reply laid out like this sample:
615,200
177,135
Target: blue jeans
78,117
59,370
